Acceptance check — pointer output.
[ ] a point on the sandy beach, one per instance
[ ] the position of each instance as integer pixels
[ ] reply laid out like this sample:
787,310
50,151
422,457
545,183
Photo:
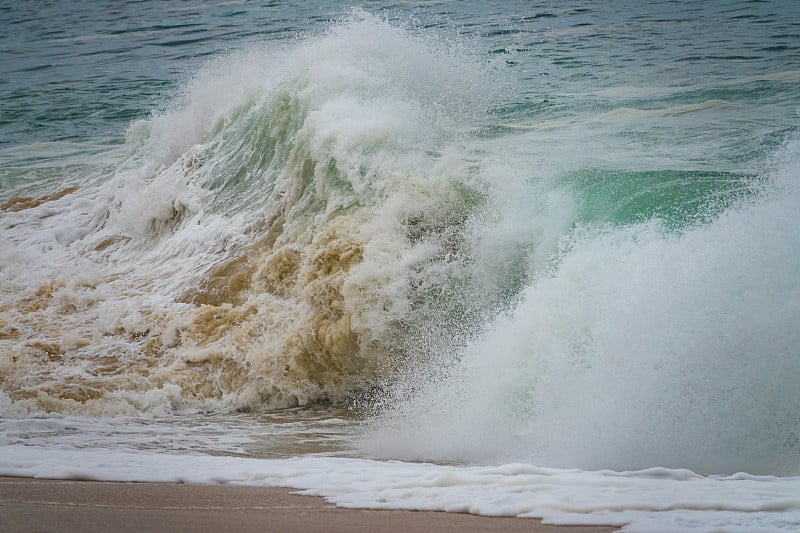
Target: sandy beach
34,505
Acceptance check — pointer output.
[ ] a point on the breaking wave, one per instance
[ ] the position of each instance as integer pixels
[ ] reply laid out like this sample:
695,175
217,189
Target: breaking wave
300,225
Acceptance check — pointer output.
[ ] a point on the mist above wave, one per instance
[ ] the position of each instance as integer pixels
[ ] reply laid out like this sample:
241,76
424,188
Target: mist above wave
640,346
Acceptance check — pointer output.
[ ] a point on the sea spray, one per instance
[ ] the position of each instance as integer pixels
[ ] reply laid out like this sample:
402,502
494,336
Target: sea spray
638,346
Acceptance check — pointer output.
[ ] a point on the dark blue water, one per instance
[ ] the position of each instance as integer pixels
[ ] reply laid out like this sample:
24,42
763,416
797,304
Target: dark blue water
78,70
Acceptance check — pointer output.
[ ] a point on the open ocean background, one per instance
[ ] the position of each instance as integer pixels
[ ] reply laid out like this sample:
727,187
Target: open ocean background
527,258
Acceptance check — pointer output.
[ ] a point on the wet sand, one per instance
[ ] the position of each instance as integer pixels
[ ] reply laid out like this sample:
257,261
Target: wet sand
38,505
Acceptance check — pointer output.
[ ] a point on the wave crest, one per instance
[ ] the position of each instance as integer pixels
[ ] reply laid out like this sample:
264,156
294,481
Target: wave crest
282,236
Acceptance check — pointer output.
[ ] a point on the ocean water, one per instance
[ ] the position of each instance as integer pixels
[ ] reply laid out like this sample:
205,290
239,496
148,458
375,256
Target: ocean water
530,259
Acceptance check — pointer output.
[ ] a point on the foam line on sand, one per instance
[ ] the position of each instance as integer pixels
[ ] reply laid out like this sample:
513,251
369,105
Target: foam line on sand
54,505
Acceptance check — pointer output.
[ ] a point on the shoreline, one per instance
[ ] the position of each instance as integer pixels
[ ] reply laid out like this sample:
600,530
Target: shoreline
34,504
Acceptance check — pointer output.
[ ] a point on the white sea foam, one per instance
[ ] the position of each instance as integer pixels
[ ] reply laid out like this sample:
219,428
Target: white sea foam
655,499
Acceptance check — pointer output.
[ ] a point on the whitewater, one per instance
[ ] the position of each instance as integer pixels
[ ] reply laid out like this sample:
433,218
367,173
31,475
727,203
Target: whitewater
533,260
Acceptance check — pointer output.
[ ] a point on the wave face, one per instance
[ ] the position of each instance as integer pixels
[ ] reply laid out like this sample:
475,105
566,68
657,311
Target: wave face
522,253
298,227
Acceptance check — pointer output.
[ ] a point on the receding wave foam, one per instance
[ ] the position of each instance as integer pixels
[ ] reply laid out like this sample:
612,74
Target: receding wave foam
639,346
298,227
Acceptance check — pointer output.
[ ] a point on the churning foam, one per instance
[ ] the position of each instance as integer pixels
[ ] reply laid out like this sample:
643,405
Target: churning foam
297,227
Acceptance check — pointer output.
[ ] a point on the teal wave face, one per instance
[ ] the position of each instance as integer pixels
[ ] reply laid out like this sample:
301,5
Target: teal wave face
678,199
